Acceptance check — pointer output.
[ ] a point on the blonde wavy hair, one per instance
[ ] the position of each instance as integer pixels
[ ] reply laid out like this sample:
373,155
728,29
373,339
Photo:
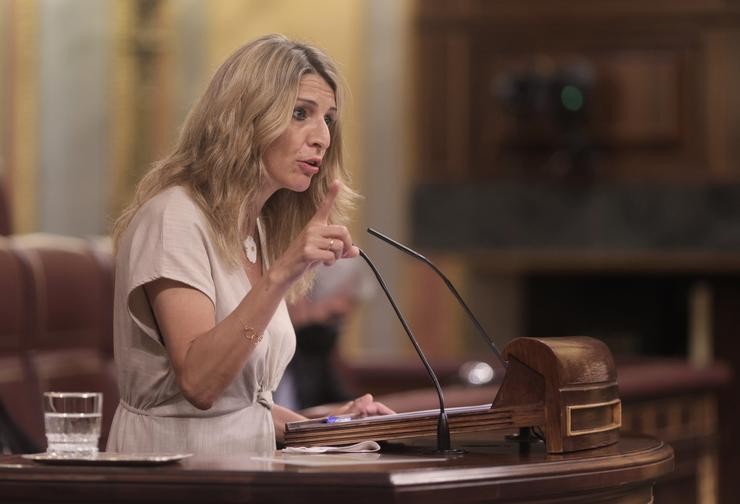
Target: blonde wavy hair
218,156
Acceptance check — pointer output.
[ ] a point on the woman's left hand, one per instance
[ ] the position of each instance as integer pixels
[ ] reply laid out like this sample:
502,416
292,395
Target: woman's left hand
364,406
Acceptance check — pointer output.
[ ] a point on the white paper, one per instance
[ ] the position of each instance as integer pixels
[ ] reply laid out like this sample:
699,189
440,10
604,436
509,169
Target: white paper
361,447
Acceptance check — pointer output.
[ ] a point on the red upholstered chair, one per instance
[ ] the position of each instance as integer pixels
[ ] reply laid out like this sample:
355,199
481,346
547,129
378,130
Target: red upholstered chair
6,217
71,306
101,248
13,301
19,390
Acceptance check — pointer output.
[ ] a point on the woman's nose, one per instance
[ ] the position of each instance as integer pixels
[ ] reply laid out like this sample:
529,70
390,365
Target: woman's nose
320,136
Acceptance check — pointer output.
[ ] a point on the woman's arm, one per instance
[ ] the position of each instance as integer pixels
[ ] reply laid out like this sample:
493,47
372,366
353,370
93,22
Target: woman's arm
281,416
206,356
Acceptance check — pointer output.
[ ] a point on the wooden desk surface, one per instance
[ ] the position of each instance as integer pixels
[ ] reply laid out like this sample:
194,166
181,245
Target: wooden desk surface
490,470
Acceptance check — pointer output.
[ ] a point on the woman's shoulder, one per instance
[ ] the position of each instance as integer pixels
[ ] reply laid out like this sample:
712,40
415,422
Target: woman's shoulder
174,197
169,221
171,214
174,203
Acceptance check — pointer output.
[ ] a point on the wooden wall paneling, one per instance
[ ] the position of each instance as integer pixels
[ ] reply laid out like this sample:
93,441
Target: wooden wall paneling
689,423
726,306
432,109
665,115
641,97
458,104
642,116
722,110
578,9
660,86
444,106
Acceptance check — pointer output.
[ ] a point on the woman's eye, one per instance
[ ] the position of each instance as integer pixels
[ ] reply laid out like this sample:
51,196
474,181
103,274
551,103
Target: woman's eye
329,120
299,113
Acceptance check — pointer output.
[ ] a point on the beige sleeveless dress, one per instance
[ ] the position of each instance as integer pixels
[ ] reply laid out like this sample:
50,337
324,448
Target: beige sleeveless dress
169,238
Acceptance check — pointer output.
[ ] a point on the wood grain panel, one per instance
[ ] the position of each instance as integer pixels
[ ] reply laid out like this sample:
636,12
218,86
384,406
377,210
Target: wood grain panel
658,109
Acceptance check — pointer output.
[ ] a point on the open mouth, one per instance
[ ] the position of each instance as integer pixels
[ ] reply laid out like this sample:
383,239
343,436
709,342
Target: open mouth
310,166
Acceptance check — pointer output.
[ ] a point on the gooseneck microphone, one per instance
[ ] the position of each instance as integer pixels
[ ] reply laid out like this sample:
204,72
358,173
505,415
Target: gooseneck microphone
443,427
413,253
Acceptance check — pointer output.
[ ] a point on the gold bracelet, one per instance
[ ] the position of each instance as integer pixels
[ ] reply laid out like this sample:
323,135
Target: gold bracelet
250,333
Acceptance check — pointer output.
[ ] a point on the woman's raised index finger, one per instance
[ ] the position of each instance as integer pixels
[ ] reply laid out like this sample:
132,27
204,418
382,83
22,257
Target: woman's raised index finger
324,211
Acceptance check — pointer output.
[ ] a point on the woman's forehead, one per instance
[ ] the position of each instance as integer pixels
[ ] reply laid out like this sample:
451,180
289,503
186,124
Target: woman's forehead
315,88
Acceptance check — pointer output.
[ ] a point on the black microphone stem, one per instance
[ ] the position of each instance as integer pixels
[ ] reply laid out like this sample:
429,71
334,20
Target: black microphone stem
443,429
447,282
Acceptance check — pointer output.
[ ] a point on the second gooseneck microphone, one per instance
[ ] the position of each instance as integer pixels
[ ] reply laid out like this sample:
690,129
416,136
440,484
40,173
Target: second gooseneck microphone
415,254
443,427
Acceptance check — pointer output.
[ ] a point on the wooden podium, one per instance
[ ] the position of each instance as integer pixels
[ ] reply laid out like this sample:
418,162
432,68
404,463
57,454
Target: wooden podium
567,387
490,470
564,386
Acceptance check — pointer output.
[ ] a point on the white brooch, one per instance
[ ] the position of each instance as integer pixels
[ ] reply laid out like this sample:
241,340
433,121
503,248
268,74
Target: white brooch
250,247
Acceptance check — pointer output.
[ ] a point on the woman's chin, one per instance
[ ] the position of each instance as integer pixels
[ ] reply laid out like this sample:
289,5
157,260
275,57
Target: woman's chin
301,185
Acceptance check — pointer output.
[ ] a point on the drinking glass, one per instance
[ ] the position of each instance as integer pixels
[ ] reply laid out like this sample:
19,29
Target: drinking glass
72,421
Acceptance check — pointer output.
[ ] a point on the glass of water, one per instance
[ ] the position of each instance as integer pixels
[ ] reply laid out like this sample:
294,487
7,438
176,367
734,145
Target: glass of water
72,421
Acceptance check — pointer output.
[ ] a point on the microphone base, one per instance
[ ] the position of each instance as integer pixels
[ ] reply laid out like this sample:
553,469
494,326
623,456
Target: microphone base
443,436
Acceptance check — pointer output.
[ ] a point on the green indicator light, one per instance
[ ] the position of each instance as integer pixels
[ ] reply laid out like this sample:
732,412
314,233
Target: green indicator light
571,98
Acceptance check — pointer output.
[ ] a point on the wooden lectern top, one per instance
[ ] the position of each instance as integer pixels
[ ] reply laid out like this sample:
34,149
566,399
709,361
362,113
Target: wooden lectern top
567,387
